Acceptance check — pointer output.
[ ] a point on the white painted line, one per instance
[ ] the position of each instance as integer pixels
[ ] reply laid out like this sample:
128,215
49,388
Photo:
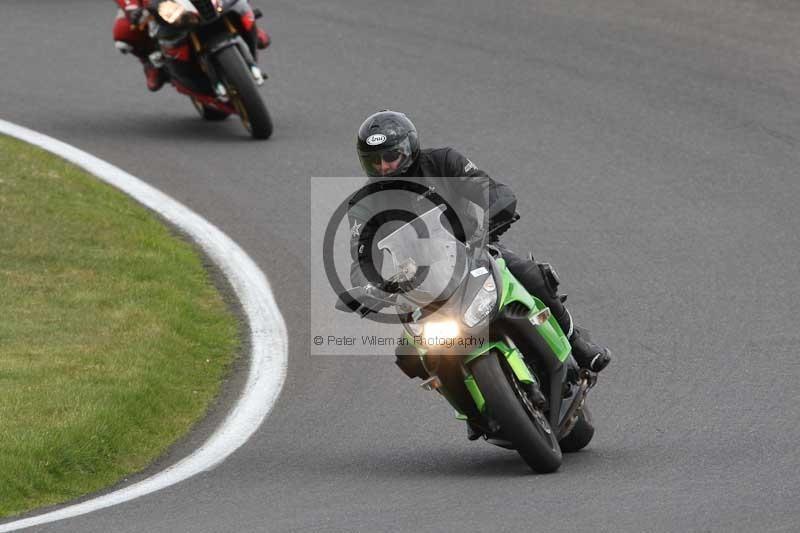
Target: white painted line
269,342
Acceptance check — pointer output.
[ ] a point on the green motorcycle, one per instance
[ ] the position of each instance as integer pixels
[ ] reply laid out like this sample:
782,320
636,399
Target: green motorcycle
478,338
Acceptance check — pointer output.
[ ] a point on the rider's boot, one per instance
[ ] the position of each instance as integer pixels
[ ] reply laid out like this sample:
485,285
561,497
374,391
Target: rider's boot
156,77
587,353
154,70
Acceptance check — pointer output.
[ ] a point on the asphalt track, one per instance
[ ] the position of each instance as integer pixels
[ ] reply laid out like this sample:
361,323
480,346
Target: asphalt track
654,148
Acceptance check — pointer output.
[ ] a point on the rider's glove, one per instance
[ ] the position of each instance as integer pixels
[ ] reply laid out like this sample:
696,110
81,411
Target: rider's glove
394,287
373,298
500,224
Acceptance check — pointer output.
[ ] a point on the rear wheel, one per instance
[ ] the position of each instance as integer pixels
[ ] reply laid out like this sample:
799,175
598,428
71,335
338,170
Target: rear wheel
520,422
208,112
243,93
580,435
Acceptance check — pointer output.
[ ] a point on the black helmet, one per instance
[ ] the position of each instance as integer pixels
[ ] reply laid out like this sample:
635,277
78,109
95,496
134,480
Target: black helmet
383,139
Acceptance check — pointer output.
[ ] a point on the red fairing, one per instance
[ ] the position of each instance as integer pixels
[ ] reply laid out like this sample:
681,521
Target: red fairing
203,98
248,20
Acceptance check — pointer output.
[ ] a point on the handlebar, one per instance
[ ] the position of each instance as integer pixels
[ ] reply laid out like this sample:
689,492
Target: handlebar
364,300
495,231
373,298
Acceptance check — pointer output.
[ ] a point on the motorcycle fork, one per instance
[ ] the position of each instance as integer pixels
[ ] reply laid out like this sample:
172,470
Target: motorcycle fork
217,84
512,359
247,53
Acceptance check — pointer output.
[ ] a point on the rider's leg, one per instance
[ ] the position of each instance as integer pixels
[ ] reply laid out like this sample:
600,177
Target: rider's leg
541,280
135,41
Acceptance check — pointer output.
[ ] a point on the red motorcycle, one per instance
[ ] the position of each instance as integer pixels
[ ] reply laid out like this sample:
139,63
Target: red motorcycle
208,48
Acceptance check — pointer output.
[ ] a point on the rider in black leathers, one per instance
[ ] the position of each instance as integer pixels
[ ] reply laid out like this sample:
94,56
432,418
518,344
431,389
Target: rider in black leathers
388,147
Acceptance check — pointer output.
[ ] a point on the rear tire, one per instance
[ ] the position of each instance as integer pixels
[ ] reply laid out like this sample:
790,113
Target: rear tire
209,113
526,427
243,93
580,435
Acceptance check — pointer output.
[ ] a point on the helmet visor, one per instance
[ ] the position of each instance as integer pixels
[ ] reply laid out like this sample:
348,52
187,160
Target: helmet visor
389,161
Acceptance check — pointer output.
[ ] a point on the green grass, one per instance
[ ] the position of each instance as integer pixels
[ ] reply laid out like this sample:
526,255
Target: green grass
113,340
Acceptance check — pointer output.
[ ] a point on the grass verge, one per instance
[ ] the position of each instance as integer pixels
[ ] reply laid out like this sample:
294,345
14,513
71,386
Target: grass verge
113,339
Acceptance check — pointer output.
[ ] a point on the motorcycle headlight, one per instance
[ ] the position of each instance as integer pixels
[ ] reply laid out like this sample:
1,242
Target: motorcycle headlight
482,304
438,331
178,13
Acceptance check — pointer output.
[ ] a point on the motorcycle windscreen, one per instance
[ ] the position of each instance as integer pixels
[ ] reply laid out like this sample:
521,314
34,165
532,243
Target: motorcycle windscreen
430,255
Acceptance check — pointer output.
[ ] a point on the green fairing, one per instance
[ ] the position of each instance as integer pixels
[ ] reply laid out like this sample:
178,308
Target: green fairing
512,355
513,291
519,367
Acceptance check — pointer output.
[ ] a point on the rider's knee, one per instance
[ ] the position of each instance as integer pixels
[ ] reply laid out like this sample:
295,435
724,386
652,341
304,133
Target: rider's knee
541,280
550,278
532,277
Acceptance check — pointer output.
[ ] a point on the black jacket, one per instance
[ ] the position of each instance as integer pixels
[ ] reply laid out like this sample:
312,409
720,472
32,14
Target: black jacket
443,171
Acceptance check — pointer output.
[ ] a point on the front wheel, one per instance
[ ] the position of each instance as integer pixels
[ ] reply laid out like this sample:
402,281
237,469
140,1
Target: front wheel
520,422
243,93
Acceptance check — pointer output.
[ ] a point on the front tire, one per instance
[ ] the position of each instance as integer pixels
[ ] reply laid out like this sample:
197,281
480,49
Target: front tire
520,422
244,94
